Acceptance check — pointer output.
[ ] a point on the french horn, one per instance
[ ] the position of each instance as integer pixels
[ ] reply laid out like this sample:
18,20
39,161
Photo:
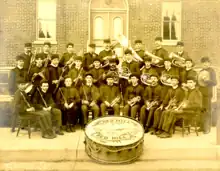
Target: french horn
165,79
124,72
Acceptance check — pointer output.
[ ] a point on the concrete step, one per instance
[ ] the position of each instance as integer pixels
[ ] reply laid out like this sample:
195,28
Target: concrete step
179,165
70,147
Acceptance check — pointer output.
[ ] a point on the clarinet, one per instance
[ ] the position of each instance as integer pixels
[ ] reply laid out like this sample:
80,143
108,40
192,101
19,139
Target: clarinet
77,79
45,104
32,61
65,101
25,100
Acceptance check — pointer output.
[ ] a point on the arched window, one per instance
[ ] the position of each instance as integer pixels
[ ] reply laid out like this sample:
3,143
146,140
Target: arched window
118,26
98,30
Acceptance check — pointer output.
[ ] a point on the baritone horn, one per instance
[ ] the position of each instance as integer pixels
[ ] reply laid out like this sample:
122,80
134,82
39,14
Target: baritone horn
155,60
146,79
177,60
165,79
124,72
124,43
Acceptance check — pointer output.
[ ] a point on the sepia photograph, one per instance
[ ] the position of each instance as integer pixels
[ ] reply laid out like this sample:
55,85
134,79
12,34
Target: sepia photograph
109,85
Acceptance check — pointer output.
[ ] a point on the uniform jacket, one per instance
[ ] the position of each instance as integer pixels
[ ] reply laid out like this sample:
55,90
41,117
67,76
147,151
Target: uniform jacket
132,92
16,76
109,93
71,94
89,93
133,66
88,60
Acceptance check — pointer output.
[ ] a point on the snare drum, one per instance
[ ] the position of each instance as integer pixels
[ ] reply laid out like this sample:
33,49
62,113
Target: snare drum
114,139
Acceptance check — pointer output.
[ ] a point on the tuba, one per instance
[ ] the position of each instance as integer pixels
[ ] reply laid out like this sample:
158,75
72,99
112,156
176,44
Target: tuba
146,79
203,75
165,79
124,72
155,60
177,60
124,43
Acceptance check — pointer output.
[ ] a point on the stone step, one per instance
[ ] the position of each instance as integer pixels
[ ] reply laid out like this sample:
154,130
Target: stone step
179,165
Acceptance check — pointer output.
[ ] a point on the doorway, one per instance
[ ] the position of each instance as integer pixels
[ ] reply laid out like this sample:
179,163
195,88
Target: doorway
108,18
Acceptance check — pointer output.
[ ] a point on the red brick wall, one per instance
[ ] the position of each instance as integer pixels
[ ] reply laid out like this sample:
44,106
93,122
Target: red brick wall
200,25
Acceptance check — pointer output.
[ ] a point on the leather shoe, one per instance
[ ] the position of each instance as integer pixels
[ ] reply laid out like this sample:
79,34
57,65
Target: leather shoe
46,136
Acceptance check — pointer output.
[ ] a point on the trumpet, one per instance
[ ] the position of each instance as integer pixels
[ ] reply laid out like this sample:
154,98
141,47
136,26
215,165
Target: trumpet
171,104
177,60
116,100
151,104
155,60
134,100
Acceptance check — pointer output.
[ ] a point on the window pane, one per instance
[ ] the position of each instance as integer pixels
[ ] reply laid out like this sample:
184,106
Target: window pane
47,9
171,20
118,26
47,29
98,30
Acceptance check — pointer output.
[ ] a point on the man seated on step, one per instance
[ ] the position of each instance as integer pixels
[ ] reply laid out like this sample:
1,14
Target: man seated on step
191,104
43,101
25,107
110,96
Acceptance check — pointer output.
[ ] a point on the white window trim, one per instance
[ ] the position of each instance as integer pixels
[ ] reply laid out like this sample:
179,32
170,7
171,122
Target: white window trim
171,42
38,40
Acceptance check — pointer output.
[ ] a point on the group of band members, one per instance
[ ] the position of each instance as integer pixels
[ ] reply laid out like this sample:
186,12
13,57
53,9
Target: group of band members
58,92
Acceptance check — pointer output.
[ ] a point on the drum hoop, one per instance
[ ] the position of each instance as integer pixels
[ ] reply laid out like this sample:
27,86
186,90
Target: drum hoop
117,117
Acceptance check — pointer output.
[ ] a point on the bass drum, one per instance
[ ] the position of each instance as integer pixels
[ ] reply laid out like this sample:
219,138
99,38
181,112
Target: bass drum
114,140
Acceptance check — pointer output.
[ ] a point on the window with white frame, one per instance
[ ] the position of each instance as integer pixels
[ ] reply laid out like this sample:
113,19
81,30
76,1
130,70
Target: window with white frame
171,21
46,20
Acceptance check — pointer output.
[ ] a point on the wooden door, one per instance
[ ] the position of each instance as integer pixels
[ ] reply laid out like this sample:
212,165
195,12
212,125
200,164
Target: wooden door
107,24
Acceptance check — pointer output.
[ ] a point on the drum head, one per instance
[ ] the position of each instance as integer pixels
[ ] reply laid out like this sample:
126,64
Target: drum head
114,131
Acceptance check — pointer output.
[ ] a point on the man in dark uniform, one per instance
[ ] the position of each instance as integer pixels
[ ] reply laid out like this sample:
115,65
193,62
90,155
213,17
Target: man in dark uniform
46,53
133,97
159,51
192,102
110,96
88,57
206,80
173,97
43,101
166,74
152,99
90,95
68,57
77,72
68,99
36,73
107,53
17,75
188,71
181,53
23,106
55,75
27,55
138,49
97,72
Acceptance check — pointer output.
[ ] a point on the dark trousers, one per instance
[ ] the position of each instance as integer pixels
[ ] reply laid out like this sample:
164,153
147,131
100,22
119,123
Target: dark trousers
69,116
116,109
85,108
147,116
131,111
56,116
44,119
157,117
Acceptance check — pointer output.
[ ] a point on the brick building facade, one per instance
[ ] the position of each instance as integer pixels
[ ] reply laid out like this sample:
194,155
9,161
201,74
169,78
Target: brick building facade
200,25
